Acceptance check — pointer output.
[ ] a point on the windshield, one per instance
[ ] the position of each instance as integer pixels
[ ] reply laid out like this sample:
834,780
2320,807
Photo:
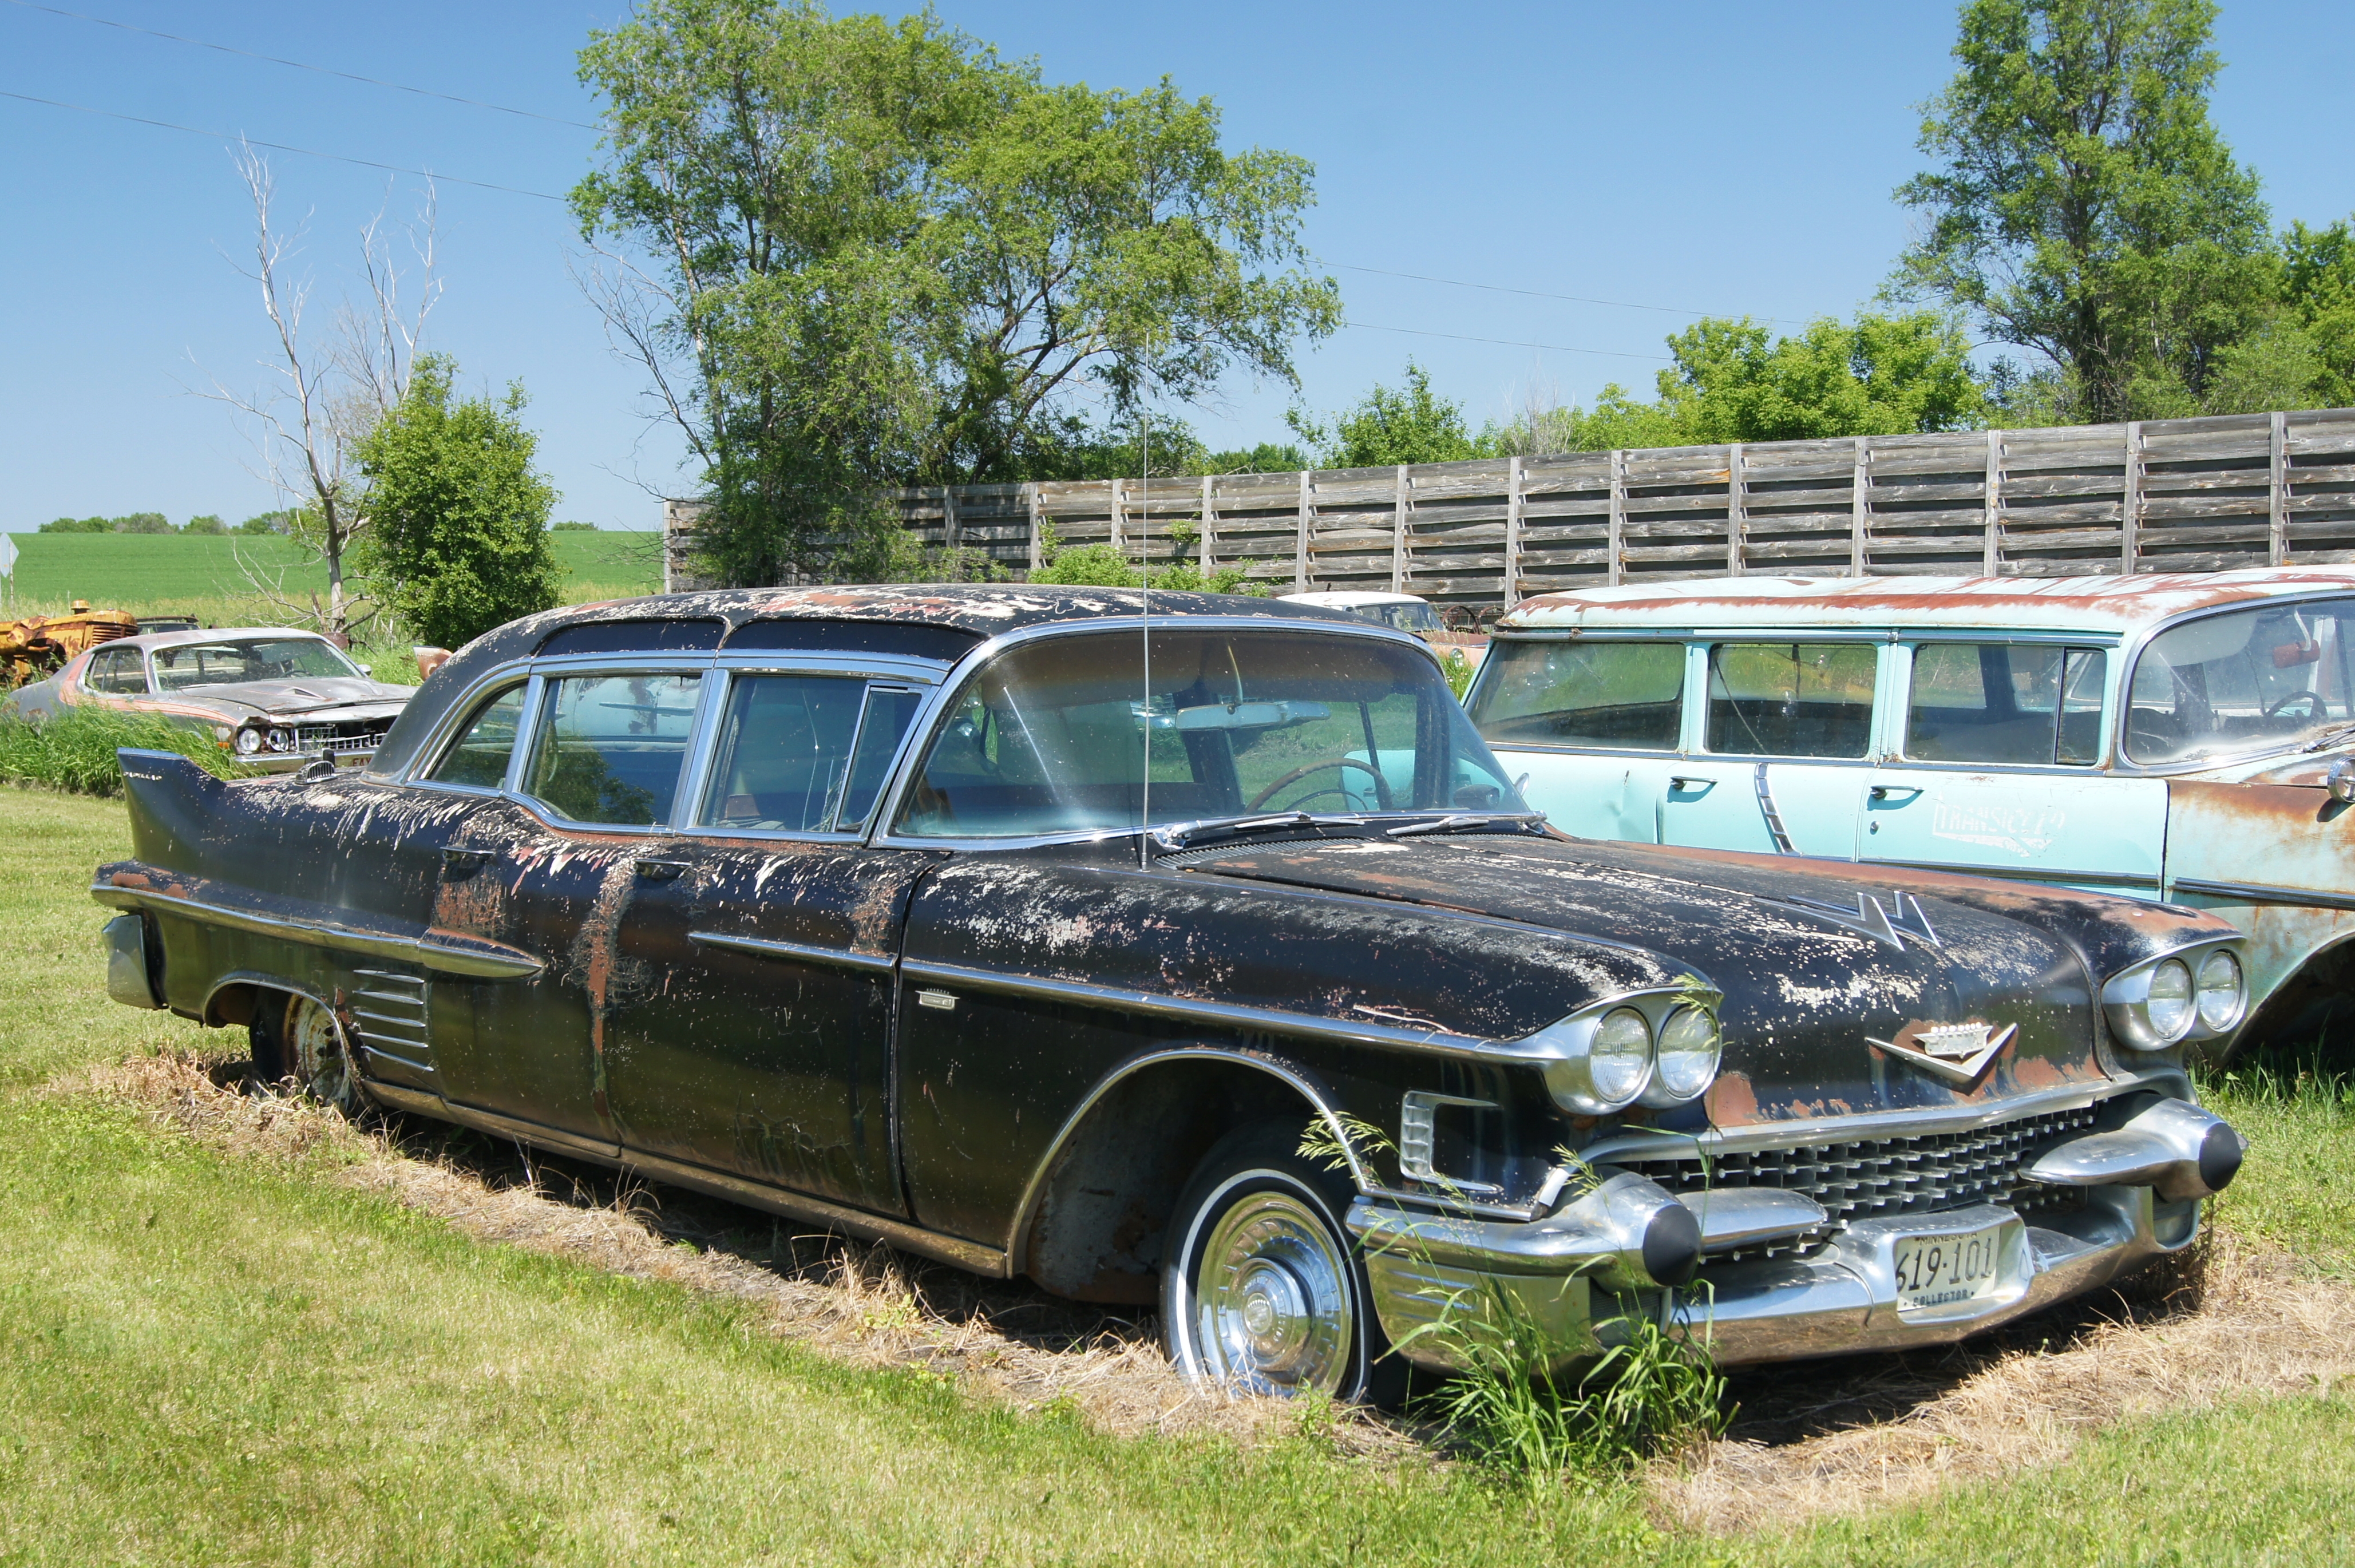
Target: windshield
2247,680
1417,616
261,658
1050,738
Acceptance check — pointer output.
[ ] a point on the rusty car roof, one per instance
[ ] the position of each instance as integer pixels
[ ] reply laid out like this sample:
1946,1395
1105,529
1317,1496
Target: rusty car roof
2088,603
204,635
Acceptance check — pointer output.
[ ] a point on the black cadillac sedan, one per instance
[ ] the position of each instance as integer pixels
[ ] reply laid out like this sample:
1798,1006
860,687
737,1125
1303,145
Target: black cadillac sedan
1040,931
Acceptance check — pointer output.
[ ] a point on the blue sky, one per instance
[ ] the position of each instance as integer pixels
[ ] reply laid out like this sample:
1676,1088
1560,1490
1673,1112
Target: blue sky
1700,157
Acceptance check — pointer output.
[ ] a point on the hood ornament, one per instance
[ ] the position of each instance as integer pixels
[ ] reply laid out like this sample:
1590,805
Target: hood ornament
1958,1053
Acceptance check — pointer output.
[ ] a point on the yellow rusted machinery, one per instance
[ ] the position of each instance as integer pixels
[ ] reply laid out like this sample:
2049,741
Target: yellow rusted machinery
38,644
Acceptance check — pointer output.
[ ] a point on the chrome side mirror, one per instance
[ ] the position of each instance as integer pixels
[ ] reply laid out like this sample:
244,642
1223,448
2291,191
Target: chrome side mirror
2341,781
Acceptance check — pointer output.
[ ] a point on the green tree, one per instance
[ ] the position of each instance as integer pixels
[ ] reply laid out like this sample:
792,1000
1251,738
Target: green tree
278,522
204,523
457,520
2085,208
2318,296
1267,457
1732,381
141,523
869,253
1393,426
78,525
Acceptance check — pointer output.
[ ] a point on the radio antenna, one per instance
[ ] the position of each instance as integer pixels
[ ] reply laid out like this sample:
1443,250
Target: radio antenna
1145,619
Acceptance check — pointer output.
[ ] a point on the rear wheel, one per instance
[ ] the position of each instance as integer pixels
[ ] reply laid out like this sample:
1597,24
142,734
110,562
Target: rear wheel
312,1054
1263,1290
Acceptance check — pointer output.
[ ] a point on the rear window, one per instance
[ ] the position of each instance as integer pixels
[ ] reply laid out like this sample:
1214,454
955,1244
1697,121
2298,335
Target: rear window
1790,700
2017,703
1626,695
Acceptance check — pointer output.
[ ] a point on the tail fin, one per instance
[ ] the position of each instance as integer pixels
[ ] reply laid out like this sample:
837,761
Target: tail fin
174,804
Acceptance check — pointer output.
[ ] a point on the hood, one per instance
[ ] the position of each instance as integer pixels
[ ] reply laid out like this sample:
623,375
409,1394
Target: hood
326,698
1808,988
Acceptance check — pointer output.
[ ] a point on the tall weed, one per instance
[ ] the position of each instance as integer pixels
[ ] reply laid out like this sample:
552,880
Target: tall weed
74,752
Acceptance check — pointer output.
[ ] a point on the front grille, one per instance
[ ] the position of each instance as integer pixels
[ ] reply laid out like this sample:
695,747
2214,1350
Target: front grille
1865,1179
336,740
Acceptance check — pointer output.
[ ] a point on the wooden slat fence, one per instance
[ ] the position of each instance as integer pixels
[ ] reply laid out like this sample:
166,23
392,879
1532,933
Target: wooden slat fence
2164,495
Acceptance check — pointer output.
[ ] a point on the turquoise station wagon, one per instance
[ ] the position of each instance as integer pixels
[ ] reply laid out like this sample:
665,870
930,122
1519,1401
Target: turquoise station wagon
2180,738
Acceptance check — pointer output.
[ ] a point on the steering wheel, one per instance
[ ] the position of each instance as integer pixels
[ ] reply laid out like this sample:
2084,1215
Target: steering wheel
1381,784
2312,699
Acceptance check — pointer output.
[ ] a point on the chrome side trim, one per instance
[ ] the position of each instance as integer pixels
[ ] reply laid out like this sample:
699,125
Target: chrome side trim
1033,1192
1775,829
415,1101
2021,873
527,1132
975,1256
796,951
2259,893
451,955
1226,1015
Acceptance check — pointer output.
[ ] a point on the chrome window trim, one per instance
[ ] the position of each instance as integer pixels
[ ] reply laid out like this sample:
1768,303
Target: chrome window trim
923,727
925,682
1902,700
2124,763
813,661
453,722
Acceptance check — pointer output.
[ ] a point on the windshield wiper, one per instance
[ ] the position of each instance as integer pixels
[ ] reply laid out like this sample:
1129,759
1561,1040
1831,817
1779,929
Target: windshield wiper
1461,821
1179,835
2327,737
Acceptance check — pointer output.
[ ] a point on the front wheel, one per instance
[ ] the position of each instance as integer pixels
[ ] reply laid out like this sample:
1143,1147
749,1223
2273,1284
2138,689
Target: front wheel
1262,1290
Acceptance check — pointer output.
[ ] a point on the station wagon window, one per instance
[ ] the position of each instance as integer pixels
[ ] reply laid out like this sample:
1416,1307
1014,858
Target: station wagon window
2017,703
610,746
1790,700
479,755
1582,694
804,753
116,670
2246,681
1050,738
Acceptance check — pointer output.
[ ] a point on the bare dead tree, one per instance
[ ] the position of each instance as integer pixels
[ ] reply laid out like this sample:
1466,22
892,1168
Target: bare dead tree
324,394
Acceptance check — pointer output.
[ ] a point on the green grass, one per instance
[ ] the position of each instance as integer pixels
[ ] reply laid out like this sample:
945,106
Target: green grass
209,1356
77,751
173,573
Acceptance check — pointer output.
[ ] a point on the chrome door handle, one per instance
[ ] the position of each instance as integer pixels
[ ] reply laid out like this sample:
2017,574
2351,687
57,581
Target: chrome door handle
1686,780
461,863
1882,792
661,870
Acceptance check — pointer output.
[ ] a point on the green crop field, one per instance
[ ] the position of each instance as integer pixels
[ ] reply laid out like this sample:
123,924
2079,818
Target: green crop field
221,1346
213,576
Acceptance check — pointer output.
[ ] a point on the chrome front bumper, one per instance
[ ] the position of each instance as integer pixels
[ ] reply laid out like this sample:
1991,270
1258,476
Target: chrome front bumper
1566,1279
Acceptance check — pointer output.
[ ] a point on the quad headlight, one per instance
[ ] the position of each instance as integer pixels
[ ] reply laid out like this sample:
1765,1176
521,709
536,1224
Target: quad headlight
1660,1047
247,742
2186,995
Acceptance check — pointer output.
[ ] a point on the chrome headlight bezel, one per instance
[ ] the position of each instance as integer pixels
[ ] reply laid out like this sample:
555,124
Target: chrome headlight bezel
1565,1051
2126,997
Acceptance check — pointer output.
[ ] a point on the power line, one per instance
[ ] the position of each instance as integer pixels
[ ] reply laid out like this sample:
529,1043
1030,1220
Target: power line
279,146
299,64
1507,342
1536,293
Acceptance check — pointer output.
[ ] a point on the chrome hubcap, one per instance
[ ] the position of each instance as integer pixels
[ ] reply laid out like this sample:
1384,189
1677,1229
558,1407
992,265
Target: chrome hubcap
1273,1315
316,1046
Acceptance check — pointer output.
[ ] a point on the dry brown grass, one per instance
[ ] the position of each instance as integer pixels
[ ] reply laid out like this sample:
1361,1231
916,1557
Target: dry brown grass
866,1305
1845,1437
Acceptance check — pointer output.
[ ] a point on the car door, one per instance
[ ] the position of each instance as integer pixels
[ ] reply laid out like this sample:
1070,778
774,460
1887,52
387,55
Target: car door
550,868
1591,726
761,942
1998,771
1779,747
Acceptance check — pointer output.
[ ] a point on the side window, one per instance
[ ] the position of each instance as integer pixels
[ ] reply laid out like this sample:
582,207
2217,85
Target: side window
116,670
1790,700
479,755
890,710
609,747
804,753
2017,703
1584,694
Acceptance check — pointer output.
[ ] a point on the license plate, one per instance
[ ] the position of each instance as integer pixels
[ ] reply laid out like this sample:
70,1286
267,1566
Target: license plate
1939,1270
